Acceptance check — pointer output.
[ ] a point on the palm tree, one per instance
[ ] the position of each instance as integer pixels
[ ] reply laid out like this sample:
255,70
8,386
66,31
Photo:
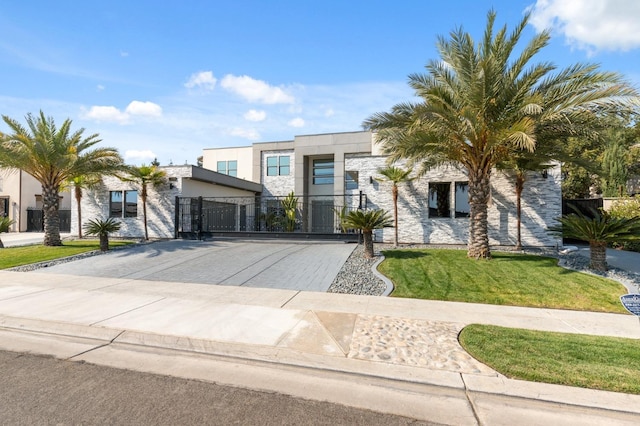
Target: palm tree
144,176
102,228
79,184
480,102
5,223
52,156
395,175
367,221
598,231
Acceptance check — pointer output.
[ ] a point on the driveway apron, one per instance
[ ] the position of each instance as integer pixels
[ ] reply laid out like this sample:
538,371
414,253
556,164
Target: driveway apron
308,266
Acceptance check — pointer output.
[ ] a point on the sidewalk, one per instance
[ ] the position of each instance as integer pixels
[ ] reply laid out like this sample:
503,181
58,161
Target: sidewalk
399,356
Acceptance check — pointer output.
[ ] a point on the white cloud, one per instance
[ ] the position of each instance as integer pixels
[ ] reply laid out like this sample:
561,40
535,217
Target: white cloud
124,54
135,156
296,122
107,113
591,25
144,108
202,79
329,112
255,115
250,134
100,87
255,90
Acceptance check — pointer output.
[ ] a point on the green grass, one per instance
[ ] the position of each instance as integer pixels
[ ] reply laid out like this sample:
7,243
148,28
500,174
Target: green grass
507,279
595,362
17,256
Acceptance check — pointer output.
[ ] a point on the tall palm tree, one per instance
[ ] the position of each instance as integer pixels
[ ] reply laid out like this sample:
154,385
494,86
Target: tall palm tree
81,183
144,176
395,175
479,102
367,221
52,156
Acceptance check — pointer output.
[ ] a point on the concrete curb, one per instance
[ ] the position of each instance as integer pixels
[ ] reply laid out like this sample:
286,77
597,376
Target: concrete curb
442,396
377,274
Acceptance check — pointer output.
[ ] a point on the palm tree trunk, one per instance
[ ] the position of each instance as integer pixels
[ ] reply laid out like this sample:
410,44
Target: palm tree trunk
598,255
144,210
395,214
368,244
104,242
520,178
78,194
1,244
50,200
479,189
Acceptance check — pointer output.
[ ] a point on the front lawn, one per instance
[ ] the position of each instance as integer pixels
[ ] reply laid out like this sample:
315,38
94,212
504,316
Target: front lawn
24,255
594,362
507,279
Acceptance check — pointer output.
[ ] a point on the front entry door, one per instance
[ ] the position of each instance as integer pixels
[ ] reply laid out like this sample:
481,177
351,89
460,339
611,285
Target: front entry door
4,206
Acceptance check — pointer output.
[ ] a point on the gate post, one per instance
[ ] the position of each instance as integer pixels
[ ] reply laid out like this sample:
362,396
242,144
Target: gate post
176,218
200,217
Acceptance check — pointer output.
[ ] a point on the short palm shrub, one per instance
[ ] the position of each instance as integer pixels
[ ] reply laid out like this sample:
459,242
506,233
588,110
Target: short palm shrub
367,221
102,229
5,223
290,206
598,231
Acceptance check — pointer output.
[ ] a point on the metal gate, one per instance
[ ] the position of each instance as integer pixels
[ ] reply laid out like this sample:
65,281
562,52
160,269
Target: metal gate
35,220
296,217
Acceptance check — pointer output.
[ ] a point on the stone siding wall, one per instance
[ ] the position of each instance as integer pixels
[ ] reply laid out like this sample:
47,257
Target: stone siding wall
277,186
541,204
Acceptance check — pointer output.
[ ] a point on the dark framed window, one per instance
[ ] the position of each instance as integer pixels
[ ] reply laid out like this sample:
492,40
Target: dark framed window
228,168
123,204
462,208
350,180
278,165
323,171
439,199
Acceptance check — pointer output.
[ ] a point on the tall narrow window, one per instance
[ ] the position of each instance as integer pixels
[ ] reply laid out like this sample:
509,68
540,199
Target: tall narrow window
350,180
232,168
131,203
439,204
462,199
323,171
115,204
222,167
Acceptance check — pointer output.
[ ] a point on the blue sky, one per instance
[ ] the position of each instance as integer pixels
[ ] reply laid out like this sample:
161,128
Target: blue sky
167,79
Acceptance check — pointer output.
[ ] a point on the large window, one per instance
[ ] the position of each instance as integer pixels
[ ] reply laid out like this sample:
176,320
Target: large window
350,180
278,165
123,204
462,199
228,168
439,194
323,171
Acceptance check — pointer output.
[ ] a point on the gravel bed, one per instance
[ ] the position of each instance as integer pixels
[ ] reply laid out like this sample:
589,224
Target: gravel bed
357,277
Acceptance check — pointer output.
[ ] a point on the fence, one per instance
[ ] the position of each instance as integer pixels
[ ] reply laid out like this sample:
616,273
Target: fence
196,216
35,220
584,206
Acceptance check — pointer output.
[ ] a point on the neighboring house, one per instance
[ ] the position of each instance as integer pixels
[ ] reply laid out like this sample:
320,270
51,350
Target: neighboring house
21,200
328,171
121,200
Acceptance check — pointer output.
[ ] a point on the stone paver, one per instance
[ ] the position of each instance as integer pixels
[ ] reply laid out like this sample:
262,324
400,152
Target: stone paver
309,266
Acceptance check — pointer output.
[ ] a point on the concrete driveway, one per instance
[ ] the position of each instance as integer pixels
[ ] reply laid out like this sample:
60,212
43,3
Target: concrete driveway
308,266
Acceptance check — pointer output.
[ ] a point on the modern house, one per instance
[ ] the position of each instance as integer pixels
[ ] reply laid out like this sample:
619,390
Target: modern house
329,172
21,200
301,187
